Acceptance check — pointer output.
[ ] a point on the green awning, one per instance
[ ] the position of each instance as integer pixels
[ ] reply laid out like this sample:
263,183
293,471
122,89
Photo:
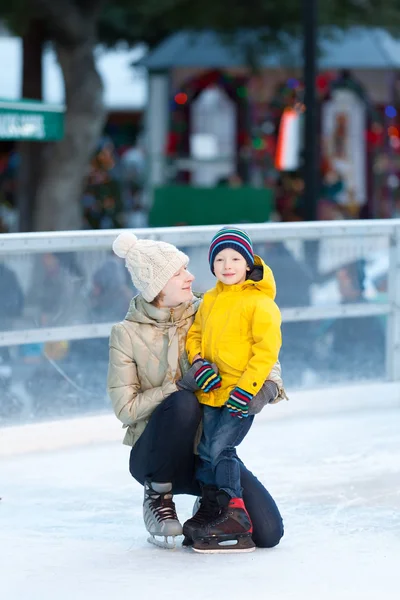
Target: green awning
31,120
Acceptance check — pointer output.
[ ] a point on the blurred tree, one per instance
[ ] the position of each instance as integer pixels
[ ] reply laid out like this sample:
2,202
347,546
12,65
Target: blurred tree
30,153
71,25
151,21
75,26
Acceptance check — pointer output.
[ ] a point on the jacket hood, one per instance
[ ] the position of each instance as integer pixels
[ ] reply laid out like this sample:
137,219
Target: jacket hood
262,278
141,311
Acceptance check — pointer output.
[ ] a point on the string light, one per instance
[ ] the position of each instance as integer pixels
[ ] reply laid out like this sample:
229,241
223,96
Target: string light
293,83
258,144
393,131
181,98
395,143
300,107
391,112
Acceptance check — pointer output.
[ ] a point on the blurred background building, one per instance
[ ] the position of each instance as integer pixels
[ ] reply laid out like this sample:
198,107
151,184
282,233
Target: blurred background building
160,124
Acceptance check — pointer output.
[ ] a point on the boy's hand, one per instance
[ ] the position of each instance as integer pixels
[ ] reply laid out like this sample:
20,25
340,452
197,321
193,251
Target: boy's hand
188,381
238,403
205,376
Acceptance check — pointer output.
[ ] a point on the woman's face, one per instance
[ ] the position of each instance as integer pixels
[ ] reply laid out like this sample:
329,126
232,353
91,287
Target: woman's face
178,289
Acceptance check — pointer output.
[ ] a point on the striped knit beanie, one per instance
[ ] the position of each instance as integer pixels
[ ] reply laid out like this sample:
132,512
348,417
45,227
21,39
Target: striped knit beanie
231,238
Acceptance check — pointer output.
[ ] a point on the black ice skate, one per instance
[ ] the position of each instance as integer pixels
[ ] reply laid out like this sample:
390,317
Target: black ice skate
229,532
159,514
208,510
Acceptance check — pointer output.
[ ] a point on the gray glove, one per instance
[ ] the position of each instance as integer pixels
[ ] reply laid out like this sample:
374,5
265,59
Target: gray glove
266,395
188,381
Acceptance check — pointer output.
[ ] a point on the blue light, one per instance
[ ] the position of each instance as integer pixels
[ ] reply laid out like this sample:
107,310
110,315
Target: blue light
293,83
391,112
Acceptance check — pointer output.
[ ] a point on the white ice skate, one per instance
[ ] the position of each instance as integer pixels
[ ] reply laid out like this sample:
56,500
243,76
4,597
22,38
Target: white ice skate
159,515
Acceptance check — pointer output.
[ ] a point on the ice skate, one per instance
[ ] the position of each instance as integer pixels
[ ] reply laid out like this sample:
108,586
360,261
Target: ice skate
205,509
229,532
159,515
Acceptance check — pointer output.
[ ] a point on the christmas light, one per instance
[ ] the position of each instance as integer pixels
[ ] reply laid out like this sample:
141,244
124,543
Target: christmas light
393,131
258,144
293,83
391,112
393,181
181,98
395,143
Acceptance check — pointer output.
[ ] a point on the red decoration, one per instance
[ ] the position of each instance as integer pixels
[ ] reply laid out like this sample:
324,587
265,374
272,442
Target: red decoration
178,140
243,138
172,143
181,98
323,83
374,138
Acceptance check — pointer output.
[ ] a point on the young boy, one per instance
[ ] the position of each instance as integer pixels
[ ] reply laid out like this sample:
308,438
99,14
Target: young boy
237,329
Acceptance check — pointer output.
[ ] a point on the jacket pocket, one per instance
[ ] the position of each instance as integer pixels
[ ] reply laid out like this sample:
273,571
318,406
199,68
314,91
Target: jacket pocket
234,361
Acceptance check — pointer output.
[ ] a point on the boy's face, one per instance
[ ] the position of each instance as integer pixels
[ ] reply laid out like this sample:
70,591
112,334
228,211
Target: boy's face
230,267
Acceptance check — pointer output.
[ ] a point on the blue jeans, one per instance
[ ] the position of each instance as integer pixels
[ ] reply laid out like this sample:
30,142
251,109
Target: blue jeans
219,464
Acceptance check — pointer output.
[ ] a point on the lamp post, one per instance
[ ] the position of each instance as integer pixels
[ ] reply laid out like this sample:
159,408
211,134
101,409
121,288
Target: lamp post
310,157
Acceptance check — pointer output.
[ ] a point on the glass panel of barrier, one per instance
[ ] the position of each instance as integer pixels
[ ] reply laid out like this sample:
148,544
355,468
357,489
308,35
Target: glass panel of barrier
53,380
47,290
61,289
326,272
333,351
63,376
68,378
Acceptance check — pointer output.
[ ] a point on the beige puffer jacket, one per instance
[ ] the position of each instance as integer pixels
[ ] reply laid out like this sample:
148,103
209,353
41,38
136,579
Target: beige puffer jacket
147,357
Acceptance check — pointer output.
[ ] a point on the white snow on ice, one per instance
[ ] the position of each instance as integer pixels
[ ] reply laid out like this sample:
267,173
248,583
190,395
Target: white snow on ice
71,525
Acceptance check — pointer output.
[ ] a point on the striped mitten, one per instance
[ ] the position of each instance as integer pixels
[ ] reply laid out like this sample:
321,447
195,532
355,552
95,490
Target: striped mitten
206,378
238,403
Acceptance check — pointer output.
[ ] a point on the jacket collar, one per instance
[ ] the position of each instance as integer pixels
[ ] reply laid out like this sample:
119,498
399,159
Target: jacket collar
163,315
141,311
261,278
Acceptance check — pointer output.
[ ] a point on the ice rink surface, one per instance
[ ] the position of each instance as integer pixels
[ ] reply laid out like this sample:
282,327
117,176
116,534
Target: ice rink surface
71,525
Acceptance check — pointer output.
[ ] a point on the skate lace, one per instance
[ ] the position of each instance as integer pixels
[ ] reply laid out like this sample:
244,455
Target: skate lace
206,510
221,518
163,507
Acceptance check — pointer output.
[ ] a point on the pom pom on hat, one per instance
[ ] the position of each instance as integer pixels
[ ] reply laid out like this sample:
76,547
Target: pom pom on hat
151,263
124,242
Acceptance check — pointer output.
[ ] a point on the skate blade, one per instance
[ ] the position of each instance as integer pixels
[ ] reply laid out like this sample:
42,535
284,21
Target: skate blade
224,547
166,544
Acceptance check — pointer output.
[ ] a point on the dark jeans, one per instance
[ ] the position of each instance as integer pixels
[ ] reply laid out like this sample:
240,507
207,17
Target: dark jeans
219,463
164,452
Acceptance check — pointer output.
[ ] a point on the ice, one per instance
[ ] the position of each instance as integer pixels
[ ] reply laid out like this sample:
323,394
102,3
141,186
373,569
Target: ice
71,525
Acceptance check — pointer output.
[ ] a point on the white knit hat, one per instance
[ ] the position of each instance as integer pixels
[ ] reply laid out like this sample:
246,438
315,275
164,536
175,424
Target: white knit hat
151,264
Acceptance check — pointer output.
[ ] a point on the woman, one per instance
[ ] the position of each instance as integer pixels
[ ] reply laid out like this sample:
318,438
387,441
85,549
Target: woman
151,385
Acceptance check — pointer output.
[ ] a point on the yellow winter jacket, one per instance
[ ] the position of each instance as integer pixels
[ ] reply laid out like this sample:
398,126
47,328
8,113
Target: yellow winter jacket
238,327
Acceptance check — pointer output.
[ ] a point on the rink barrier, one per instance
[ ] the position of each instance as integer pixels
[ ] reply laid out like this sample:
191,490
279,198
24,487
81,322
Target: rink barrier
102,330
68,241
75,241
